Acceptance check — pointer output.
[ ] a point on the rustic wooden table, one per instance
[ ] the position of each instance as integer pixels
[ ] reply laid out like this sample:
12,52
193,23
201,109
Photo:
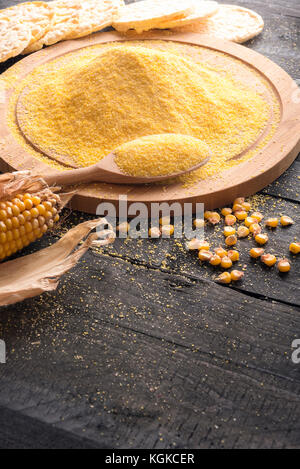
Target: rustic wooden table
140,348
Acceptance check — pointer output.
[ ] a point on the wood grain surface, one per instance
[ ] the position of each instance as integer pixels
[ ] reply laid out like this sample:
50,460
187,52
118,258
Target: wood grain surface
140,348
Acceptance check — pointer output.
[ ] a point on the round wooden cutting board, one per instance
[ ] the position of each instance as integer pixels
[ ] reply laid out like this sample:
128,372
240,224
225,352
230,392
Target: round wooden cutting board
270,157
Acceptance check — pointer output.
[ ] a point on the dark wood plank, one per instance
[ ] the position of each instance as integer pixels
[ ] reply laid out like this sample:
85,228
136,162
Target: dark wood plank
22,432
132,357
288,185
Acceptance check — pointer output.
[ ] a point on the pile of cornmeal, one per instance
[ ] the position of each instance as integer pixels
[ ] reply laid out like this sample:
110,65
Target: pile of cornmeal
86,109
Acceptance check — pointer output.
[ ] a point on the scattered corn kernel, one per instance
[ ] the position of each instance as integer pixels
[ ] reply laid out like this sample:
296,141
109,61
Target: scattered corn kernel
249,221
226,262
230,220
123,227
198,223
258,216
268,259
214,218
294,248
207,214
246,206
241,214
220,251
255,228
239,200
154,232
226,211
271,222
230,240
204,255
229,230
204,245
165,220
194,243
233,255
225,277
285,220
167,230
242,231
283,265
261,238
215,259
237,207
256,252
236,275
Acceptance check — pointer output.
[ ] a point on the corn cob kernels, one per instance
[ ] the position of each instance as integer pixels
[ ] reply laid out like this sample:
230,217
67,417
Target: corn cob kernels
24,219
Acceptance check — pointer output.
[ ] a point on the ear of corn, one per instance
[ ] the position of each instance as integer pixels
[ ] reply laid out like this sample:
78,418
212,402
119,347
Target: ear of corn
24,219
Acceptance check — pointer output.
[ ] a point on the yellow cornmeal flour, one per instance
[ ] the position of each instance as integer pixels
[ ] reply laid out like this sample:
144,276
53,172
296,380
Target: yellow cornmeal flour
134,91
159,155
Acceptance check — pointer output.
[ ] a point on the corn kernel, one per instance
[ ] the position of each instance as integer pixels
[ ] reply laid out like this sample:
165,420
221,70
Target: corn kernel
225,277
261,238
47,204
204,245
41,209
258,216
3,214
285,220
214,218
239,200
154,232
283,265
268,259
122,227
246,206
220,251
271,222
28,204
237,207
255,228
215,259
233,255
249,221
207,214
226,211
166,220
34,212
242,231
230,240
256,252
241,214
167,230
198,223
204,255
230,220
36,200
15,210
226,262
294,248
229,230
236,275
194,243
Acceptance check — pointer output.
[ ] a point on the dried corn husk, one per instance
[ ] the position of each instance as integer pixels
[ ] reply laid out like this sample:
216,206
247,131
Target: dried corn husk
36,273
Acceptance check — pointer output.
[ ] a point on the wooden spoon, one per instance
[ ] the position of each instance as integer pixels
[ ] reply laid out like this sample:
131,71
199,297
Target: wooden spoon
108,171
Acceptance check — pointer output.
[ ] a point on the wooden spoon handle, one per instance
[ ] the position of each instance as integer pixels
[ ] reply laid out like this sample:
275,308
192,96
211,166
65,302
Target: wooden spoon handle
73,176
